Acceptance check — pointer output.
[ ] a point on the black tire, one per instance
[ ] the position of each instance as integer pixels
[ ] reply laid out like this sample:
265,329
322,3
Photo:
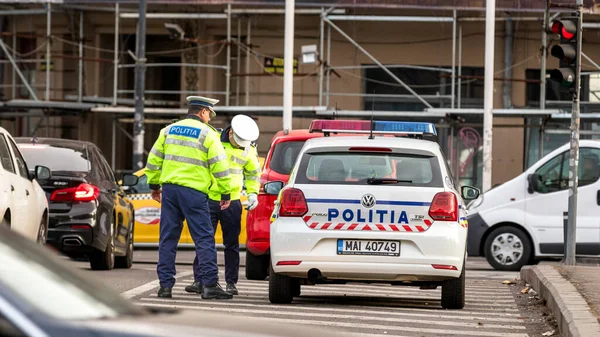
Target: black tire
453,292
257,267
105,260
42,232
127,260
297,288
510,232
281,288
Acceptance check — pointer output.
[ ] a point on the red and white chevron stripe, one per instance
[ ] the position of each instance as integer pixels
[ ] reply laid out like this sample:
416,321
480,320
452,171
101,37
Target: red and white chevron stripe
347,226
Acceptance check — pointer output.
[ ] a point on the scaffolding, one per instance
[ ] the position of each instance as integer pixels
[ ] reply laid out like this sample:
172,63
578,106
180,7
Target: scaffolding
121,109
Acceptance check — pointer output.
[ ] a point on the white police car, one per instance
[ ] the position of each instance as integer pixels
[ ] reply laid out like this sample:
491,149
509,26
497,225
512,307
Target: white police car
369,209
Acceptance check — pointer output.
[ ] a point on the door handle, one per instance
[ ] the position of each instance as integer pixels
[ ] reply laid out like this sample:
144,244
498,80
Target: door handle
27,192
12,188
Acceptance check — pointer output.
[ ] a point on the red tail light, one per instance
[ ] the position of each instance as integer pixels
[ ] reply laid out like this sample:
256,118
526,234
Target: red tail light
81,193
444,207
293,203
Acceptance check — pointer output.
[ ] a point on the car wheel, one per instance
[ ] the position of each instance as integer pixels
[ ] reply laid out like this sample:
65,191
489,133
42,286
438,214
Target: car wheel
105,260
127,260
507,249
256,266
42,232
297,288
281,288
453,292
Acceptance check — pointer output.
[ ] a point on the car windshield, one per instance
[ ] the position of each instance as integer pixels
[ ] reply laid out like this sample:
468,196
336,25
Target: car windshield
40,280
343,168
284,156
56,158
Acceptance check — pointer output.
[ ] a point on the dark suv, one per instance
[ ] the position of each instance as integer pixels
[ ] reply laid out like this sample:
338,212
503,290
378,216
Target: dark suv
89,212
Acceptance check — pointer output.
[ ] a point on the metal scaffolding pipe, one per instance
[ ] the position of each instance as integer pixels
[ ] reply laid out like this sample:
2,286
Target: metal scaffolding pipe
140,81
453,88
191,65
339,30
282,11
391,66
460,38
238,60
247,79
228,69
80,75
48,45
16,68
116,57
382,18
508,62
13,12
14,55
187,16
113,152
321,63
328,65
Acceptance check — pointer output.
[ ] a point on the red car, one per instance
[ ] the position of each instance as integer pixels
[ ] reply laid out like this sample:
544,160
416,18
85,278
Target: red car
279,162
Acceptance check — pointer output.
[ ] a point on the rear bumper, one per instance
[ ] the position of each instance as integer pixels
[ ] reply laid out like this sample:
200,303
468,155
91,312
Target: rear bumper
444,243
71,240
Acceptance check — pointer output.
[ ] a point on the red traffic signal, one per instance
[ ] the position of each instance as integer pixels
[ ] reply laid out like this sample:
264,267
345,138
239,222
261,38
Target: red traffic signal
565,28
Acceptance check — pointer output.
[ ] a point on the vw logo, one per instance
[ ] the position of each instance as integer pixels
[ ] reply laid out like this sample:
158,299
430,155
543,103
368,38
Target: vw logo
368,200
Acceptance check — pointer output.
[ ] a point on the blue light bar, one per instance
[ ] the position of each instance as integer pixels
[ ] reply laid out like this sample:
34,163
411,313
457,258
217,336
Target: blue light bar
411,128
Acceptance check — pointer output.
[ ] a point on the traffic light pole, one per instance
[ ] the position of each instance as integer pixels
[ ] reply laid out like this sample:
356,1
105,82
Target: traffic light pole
570,250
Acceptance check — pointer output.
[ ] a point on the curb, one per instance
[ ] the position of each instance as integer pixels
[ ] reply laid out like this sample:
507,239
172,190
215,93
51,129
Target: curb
573,315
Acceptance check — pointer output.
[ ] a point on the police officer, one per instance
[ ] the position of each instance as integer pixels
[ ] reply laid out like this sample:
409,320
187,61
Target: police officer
186,159
243,163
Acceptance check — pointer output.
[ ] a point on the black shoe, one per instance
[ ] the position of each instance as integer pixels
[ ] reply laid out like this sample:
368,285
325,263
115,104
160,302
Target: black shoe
215,292
231,289
195,287
165,292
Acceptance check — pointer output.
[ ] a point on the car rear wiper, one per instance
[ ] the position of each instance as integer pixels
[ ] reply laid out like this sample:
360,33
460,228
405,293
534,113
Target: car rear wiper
378,181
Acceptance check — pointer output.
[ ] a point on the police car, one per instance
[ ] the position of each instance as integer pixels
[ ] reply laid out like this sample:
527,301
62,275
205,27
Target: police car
370,209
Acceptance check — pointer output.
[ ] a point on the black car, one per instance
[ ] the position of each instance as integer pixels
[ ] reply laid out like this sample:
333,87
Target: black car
40,295
89,212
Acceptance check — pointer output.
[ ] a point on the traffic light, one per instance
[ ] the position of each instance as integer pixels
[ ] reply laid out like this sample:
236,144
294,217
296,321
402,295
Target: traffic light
566,52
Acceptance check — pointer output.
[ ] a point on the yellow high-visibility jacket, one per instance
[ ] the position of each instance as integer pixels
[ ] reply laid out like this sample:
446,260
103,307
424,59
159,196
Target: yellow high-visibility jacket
189,153
242,163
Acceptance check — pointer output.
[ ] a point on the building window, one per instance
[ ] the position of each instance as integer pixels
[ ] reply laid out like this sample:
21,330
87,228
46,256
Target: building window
382,92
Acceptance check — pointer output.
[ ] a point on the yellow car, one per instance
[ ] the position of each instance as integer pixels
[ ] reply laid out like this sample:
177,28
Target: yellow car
147,216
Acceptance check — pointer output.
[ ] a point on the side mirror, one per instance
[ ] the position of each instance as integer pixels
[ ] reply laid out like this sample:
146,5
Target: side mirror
273,187
42,173
129,180
532,181
470,192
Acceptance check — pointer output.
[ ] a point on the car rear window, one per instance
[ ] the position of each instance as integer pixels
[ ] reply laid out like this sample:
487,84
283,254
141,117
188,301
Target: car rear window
343,168
56,158
284,156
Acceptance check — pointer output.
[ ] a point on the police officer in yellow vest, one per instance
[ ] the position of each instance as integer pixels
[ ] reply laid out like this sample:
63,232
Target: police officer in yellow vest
243,163
187,160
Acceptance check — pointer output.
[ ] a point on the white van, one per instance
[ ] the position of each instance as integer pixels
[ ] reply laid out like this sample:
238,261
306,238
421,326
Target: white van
522,219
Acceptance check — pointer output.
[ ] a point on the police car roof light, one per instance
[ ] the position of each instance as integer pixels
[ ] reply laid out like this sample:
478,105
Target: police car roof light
379,127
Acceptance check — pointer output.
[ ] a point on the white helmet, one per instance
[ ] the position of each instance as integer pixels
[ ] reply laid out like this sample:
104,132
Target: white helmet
244,130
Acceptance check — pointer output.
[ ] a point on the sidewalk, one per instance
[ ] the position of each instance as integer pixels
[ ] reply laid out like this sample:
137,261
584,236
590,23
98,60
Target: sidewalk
572,293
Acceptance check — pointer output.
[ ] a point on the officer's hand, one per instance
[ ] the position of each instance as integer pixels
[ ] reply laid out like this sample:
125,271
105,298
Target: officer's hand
225,204
156,195
252,201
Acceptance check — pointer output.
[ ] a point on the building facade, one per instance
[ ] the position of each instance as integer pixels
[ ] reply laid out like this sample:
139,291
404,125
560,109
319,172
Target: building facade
233,51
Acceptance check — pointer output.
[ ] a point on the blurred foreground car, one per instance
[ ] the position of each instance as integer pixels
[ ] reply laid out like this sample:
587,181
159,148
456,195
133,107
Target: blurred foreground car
42,296
147,216
89,214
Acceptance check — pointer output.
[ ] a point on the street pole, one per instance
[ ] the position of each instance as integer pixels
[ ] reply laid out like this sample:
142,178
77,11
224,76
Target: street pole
288,66
574,153
488,105
140,73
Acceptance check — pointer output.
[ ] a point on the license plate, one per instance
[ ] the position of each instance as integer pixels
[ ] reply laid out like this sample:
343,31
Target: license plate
368,247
